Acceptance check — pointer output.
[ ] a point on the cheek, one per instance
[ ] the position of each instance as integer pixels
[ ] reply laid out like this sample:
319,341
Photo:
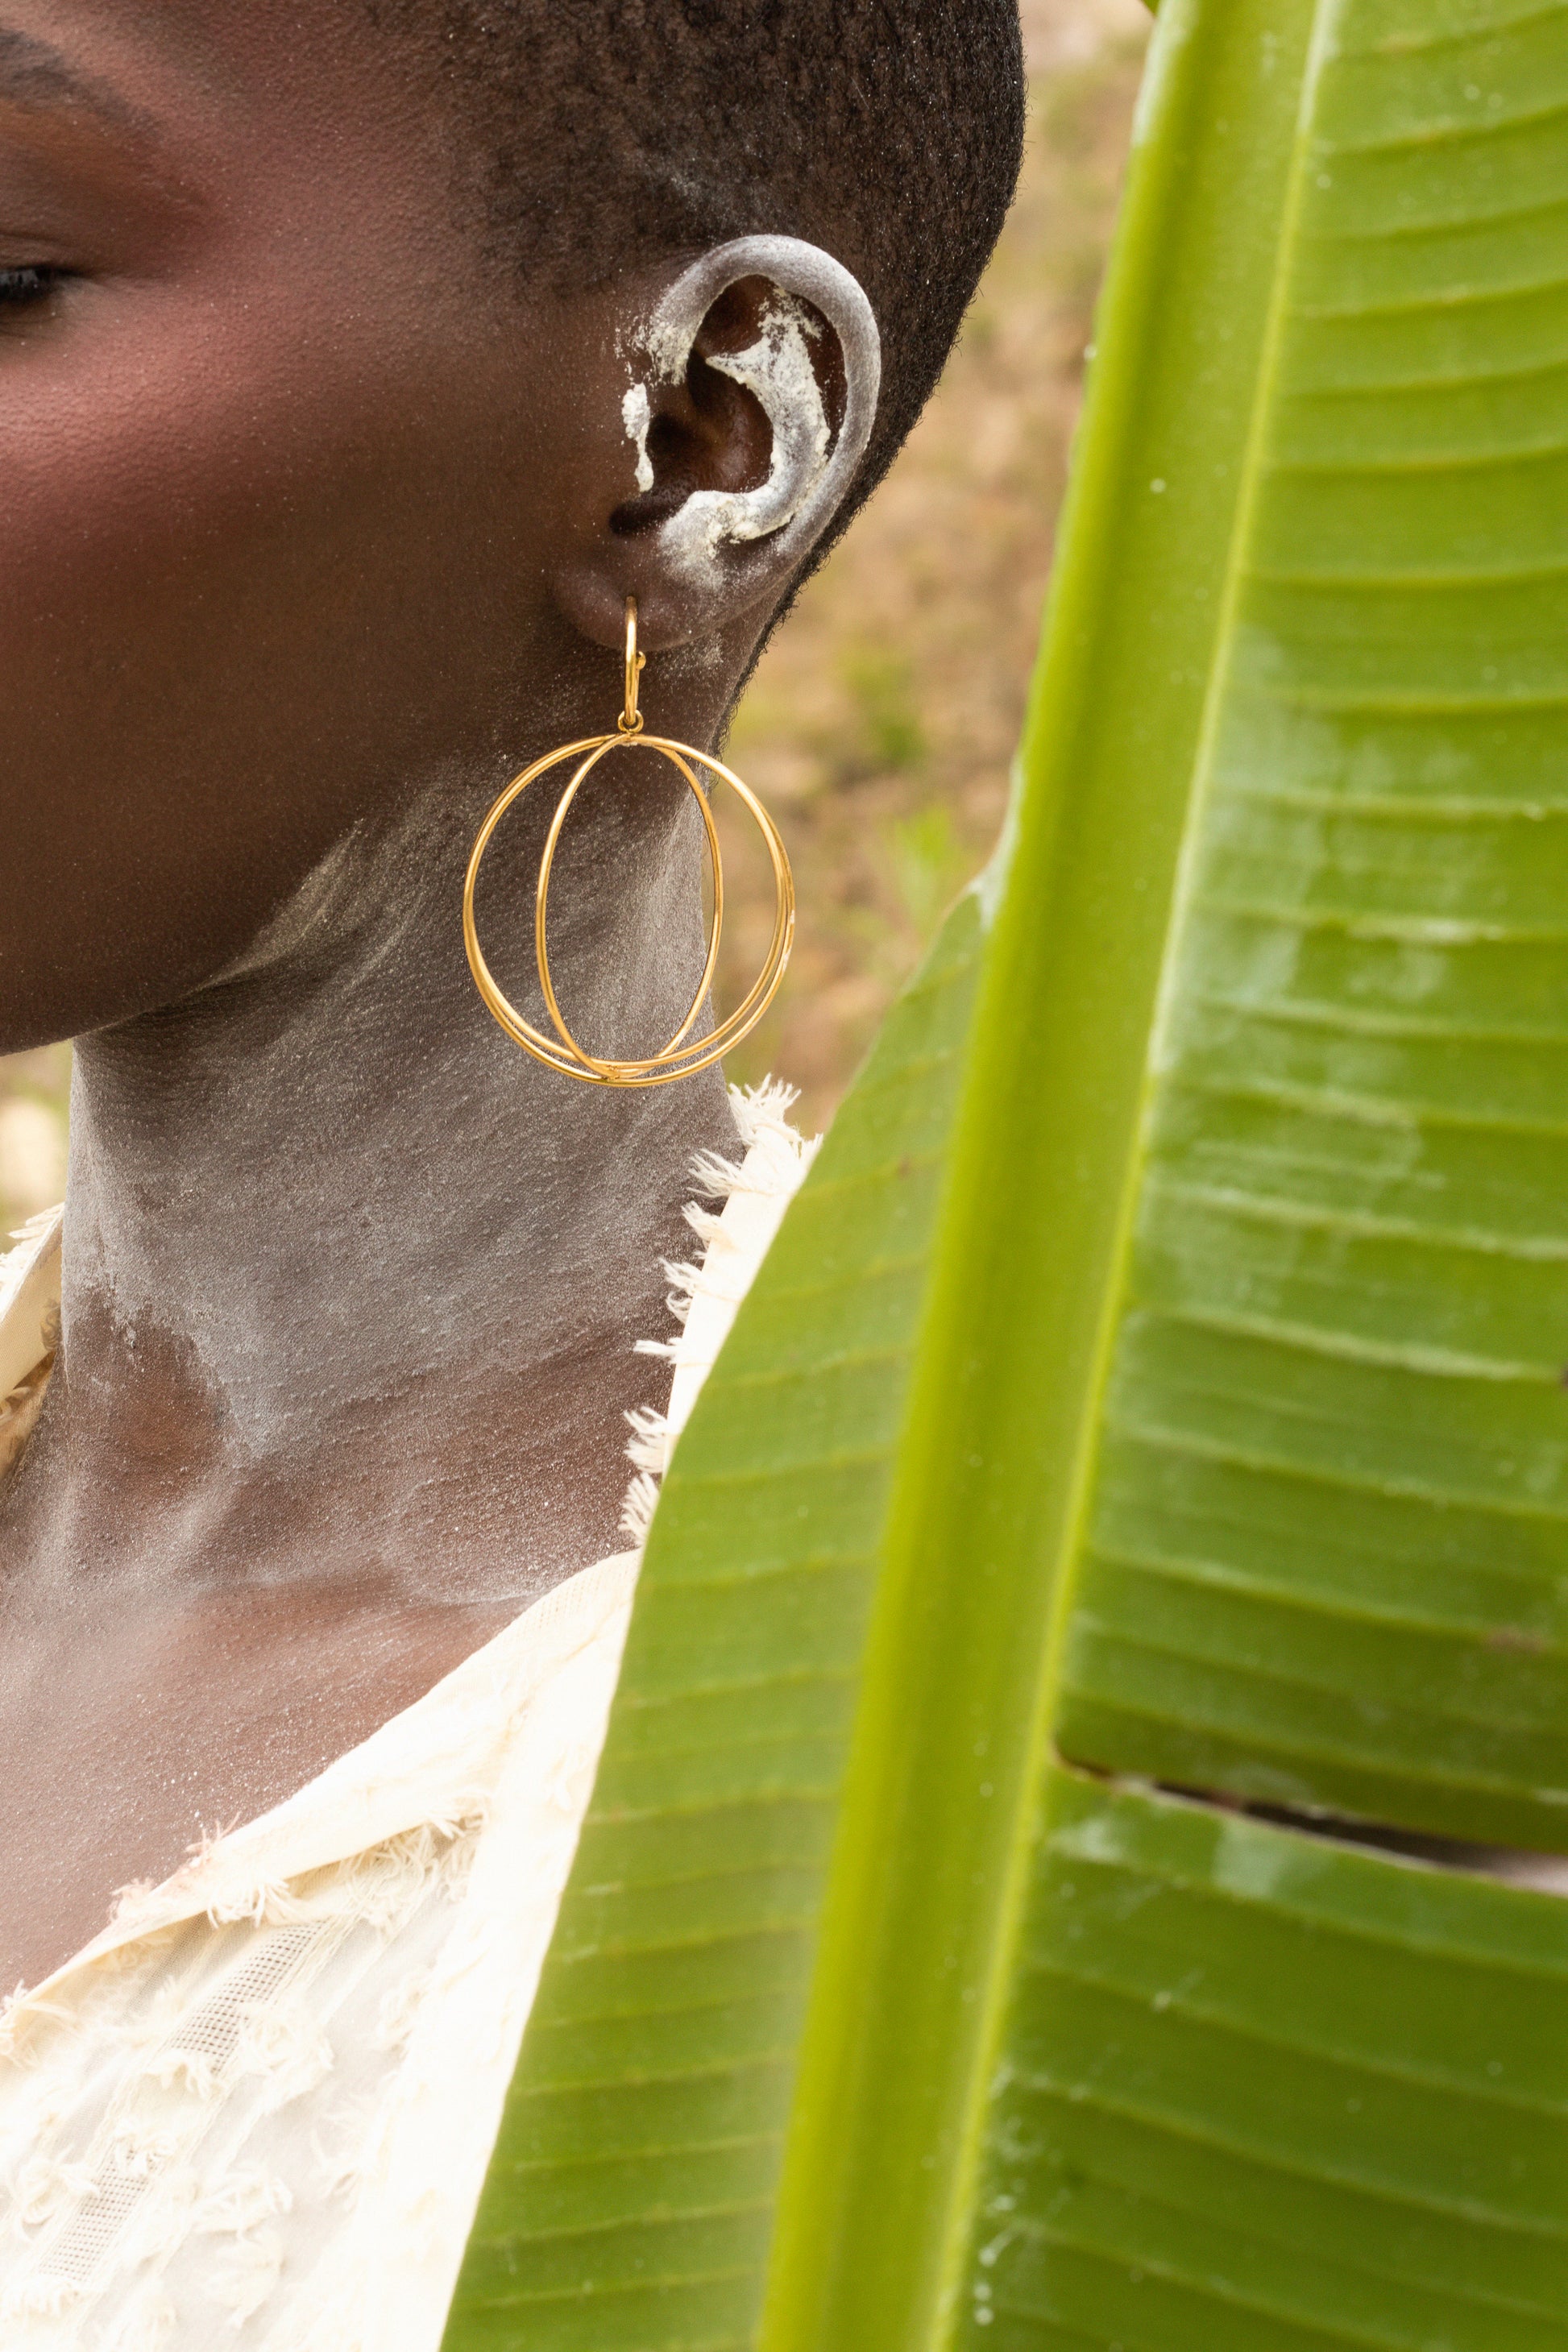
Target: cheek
181,478
240,593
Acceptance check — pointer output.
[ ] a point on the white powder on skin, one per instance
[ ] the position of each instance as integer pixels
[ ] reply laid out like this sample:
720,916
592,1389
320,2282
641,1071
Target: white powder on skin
636,416
777,368
350,1127
809,469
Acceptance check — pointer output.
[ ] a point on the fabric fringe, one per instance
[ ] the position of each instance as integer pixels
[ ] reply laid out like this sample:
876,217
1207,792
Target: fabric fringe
775,1159
147,2329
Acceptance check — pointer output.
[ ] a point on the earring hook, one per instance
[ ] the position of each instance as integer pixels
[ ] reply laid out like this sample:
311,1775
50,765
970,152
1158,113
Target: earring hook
630,720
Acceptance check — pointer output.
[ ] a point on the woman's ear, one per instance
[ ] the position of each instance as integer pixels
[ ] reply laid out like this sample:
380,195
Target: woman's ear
747,399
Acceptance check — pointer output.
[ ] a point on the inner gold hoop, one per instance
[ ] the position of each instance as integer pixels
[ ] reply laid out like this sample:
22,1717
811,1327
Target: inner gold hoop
678,1058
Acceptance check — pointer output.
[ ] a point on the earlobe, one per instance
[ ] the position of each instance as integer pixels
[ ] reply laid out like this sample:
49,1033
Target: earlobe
722,549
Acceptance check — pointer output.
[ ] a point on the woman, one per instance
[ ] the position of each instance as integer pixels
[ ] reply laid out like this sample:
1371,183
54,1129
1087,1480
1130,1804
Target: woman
358,363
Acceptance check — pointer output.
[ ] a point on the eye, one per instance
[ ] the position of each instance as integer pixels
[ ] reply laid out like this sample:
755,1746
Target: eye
32,283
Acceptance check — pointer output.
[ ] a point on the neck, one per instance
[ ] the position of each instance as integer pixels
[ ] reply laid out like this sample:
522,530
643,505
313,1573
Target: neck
351,1286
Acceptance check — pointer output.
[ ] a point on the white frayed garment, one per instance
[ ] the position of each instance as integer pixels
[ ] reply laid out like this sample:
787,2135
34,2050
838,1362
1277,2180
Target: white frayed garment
258,2110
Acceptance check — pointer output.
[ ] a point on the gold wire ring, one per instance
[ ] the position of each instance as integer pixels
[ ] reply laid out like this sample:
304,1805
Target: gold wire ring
678,1057
681,1056
584,1060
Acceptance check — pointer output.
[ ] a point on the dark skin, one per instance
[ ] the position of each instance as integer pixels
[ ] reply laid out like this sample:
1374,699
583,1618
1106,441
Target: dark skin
316,528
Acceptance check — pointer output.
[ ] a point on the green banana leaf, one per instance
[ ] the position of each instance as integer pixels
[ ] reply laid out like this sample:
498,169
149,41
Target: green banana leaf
1155,1402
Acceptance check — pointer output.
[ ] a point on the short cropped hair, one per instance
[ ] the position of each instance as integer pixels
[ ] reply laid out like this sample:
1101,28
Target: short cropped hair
889,131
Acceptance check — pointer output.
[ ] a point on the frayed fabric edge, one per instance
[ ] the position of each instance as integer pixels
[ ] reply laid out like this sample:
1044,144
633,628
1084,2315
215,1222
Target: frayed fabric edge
29,1328
706,1293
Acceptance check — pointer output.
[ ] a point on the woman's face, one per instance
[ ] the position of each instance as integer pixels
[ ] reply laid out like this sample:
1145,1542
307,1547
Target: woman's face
278,476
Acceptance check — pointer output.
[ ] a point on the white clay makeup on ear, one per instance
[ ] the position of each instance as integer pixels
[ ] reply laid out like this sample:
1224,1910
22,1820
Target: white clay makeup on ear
809,471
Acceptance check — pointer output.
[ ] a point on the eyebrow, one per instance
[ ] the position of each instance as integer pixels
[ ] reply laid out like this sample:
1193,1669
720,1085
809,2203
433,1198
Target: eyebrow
32,74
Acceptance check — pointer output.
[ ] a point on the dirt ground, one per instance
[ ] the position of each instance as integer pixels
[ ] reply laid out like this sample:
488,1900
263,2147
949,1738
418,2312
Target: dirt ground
882,720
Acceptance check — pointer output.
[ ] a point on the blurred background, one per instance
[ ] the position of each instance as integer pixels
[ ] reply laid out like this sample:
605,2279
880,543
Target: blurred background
882,720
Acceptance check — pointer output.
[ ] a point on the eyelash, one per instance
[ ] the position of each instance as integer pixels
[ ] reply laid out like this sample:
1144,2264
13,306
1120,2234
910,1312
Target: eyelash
19,287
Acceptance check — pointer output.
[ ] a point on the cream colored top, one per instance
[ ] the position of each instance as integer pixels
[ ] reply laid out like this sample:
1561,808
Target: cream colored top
259,2106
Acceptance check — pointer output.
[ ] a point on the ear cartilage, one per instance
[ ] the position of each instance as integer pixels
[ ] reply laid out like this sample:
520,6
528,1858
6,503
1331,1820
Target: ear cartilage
811,468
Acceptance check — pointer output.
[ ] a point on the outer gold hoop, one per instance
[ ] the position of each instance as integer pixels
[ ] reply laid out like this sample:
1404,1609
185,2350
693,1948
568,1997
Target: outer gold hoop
681,1056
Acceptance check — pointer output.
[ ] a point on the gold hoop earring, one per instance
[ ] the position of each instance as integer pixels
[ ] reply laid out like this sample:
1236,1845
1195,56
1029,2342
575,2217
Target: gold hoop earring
681,1056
